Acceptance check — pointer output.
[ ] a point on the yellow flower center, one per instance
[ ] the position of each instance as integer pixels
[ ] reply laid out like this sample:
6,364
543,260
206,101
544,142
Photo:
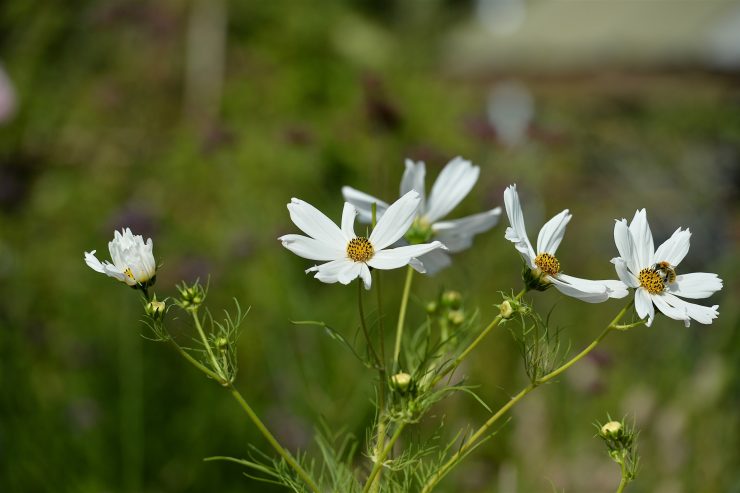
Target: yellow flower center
651,280
547,263
360,249
129,274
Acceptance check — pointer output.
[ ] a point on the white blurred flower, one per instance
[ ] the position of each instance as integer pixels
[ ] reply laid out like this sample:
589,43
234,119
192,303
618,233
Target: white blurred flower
653,273
350,256
545,267
452,185
133,260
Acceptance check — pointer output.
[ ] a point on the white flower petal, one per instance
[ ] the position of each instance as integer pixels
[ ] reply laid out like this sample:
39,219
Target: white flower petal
329,272
457,234
312,249
624,273
413,179
348,221
582,289
626,245
643,239
644,305
552,233
433,262
364,203
675,248
350,272
674,311
117,274
700,313
452,185
416,264
92,261
517,233
695,285
615,289
315,224
394,258
396,221
367,278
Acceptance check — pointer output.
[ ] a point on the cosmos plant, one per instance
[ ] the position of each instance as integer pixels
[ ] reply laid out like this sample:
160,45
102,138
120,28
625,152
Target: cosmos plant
412,233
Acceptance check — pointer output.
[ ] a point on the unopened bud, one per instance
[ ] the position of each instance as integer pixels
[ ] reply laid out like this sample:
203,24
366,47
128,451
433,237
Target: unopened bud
611,429
507,311
401,382
431,307
451,299
155,309
456,317
221,343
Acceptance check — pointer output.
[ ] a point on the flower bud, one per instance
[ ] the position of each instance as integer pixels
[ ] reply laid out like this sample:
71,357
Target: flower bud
222,343
191,296
401,382
451,299
456,317
507,311
155,309
431,307
611,429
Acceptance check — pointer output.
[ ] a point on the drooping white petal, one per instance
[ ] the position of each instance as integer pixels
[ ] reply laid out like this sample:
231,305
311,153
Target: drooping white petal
643,239
92,261
413,179
457,234
517,233
675,248
696,285
329,272
363,203
312,249
434,261
111,270
367,278
582,289
349,272
315,224
644,305
552,233
452,185
615,289
394,258
626,246
396,221
348,221
624,273
416,264
700,313
674,311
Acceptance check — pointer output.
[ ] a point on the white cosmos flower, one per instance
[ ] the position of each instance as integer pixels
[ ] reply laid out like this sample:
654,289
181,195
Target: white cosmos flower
133,260
543,263
350,256
653,273
452,185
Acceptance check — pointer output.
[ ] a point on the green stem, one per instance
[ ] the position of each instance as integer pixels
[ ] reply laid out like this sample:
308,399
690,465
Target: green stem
624,480
402,315
216,367
363,324
381,458
457,361
381,384
273,441
465,447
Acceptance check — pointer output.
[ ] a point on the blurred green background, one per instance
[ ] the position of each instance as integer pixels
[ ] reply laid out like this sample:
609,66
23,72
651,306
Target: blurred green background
195,122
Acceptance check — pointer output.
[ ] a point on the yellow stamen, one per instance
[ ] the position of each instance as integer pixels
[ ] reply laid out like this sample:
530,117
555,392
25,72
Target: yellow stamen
547,263
129,274
360,249
651,280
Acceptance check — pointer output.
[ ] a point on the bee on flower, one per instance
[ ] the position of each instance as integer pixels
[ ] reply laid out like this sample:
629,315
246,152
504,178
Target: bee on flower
452,185
347,255
133,260
654,273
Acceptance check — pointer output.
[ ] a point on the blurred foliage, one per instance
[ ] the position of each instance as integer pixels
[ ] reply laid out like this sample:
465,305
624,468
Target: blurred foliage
113,129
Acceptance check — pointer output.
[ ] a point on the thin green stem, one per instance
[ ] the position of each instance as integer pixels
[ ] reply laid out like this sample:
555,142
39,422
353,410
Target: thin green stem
273,441
457,361
380,459
200,366
402,315
363,324
216,367
623,482
465,447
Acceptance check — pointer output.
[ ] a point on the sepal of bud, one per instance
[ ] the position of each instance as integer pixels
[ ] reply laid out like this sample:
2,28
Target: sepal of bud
191,297
535,279
155,309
